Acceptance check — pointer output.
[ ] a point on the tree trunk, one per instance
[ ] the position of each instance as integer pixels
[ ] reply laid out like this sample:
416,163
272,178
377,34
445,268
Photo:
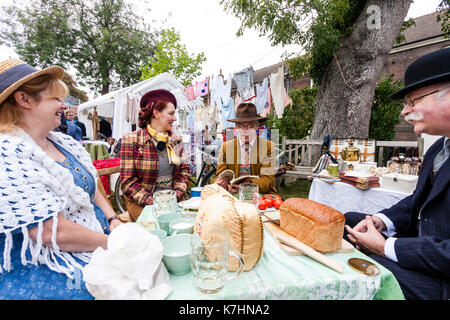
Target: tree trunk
344,106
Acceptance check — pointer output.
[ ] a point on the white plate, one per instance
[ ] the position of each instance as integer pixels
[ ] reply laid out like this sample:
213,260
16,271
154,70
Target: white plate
192,203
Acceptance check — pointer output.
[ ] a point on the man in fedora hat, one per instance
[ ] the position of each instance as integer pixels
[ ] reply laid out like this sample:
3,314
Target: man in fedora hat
247,154
412,238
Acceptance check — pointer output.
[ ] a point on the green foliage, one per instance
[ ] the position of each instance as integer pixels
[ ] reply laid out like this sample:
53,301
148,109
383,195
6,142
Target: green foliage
444,17
385,112
104,40
172,56
297,120
406,24
317,25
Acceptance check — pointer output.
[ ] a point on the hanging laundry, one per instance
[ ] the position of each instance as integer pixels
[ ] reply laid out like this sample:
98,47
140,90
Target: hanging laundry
202,88
219,90
244,82
287,99
262,101
132,108
269,107
237,101
190,119
227,111
190,92
277,91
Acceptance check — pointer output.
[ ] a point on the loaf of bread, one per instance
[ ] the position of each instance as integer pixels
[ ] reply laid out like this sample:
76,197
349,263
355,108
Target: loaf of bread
316,225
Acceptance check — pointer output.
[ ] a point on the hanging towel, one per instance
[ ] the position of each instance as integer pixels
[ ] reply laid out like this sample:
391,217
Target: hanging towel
219,90
202,88
190,92
244,82
269,107
228,112
287,99
277,91
262,98
132,110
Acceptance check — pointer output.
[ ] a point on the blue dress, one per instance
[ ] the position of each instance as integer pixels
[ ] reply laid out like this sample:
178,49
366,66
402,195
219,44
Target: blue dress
32,282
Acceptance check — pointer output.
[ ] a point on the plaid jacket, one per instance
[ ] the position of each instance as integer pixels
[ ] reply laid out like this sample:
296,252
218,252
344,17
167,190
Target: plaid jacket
139,165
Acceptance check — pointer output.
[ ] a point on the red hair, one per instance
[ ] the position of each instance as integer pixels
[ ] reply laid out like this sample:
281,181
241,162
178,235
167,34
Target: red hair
146,113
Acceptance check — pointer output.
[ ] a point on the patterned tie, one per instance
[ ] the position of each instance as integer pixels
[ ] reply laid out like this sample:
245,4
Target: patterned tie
441,157
246,153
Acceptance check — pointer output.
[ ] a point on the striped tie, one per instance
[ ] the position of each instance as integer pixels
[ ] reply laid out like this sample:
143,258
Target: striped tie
441,157
246,153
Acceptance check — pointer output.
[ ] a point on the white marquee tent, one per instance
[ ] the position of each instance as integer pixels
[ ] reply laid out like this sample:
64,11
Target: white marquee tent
113,104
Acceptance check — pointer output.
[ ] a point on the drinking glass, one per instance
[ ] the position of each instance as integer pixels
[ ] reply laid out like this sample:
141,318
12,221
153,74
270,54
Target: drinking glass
249,192
164,201
210,259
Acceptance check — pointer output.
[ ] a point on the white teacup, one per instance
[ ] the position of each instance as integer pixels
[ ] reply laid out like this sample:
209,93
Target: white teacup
181,225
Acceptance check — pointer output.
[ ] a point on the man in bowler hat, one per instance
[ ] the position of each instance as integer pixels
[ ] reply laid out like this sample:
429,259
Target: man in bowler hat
412,238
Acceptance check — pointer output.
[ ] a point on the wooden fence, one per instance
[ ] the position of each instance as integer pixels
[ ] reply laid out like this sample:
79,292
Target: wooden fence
301,153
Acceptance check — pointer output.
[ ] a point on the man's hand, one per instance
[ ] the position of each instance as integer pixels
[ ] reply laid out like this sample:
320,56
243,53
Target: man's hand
378,223
366,236
223,182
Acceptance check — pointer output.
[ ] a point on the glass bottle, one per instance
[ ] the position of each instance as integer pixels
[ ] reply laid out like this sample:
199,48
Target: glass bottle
393,162
407,165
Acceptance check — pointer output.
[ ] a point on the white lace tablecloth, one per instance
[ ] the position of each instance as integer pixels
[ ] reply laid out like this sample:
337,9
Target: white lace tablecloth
345,197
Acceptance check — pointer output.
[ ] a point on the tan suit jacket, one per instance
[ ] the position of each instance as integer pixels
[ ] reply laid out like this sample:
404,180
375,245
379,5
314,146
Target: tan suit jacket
262,162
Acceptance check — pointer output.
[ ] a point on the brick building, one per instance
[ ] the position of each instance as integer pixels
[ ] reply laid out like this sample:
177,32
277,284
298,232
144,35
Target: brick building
425,37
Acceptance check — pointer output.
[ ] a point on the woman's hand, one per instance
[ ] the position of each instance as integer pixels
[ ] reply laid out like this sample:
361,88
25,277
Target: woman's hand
114,224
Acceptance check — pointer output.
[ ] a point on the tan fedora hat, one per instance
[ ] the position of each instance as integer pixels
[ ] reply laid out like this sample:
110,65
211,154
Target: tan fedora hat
15,72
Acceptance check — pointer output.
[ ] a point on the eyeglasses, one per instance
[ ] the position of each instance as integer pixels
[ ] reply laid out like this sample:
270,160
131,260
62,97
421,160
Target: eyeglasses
245,126
410,102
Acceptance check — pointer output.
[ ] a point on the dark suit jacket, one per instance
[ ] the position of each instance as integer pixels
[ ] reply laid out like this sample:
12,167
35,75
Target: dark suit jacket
424,244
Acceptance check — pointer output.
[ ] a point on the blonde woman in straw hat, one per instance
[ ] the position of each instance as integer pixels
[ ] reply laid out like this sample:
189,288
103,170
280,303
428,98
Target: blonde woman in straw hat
51,215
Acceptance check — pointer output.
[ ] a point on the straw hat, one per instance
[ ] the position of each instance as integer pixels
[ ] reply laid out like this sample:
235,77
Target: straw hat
15,72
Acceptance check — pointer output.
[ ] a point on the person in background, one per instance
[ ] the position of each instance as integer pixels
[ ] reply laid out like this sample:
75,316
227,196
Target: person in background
81,125
72,129
247,154
52,216
151,159
105,127
412,238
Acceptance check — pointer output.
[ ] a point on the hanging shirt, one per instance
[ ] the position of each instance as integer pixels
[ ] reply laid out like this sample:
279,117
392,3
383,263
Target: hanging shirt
269,107
227,110
262,100
202,88
277,91
132,110
219,90
244,82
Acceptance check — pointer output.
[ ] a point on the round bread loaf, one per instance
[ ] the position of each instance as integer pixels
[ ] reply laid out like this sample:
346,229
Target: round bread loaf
317,225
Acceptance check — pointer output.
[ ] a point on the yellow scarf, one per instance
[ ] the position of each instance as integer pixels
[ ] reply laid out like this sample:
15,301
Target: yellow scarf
164,137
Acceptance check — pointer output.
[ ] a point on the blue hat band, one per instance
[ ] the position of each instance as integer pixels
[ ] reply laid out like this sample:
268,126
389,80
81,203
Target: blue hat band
14,74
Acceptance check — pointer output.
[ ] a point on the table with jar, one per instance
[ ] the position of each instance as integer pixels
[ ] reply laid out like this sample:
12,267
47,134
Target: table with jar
277,275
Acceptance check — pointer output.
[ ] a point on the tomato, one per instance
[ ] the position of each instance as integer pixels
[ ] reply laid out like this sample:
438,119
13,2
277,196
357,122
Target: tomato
278,198
267,196
269,202
277,204
262,205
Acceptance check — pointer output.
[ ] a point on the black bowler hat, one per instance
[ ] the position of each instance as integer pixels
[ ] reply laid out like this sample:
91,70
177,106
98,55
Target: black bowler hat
427,70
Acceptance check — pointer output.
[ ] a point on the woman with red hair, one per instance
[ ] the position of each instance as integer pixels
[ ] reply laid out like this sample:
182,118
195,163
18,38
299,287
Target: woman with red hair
151,159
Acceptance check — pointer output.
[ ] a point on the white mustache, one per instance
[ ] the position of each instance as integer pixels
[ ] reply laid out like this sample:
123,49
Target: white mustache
414,116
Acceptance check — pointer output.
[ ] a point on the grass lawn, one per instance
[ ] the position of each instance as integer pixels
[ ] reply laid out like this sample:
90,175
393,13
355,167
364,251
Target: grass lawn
295,189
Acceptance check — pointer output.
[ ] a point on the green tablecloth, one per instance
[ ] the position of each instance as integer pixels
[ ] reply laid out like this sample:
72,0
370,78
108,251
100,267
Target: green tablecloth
280,276
97,151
